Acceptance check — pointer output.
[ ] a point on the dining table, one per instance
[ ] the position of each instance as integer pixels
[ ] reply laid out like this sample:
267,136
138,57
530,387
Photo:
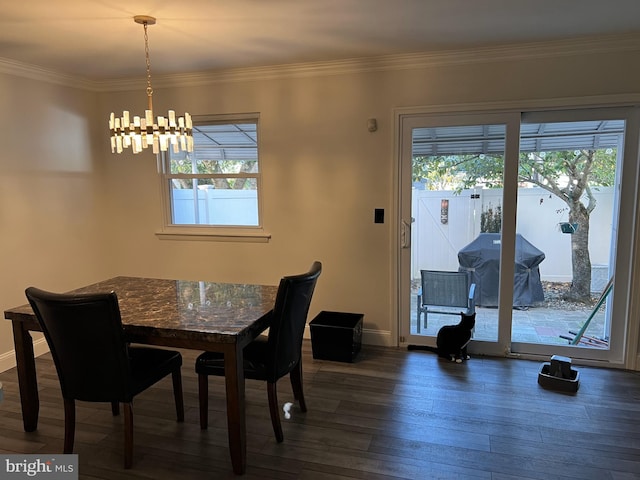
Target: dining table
199,315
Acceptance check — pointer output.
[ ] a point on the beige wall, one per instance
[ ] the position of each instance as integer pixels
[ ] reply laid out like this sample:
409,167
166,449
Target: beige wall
49,195
324,174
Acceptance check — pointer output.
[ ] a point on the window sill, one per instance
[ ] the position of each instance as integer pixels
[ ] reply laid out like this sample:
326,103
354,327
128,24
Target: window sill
214,234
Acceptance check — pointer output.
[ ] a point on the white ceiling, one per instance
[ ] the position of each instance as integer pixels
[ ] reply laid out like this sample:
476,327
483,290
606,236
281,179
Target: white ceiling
98,40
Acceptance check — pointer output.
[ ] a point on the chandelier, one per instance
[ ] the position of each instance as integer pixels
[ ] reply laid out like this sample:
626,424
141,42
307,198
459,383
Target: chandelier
158,132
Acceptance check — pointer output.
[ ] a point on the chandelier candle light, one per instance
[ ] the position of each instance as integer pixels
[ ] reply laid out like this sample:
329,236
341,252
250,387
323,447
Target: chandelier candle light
147,131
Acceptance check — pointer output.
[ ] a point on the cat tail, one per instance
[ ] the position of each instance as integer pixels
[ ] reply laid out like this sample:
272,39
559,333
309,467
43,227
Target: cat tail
423,348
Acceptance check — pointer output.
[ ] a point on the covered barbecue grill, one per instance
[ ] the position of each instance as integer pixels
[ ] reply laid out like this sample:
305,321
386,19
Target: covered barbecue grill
482,258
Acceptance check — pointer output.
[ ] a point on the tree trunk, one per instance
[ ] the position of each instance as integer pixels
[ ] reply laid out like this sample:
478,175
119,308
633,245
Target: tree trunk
580,290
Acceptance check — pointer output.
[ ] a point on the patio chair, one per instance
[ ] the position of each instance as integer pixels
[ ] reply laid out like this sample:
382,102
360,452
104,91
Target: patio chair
449,293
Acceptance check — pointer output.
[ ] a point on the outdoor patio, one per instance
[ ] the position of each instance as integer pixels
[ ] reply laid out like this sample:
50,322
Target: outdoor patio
542,324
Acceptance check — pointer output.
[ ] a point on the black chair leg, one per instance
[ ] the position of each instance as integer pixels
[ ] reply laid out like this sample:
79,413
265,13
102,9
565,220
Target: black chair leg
203,395
296,385
177,394
69,424
274,411
128,435
115,408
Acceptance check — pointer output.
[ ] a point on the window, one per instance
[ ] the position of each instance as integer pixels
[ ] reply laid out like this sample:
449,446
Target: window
215,188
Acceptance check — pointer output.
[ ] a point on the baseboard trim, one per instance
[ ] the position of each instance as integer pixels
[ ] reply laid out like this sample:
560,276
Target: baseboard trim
8,359
380,338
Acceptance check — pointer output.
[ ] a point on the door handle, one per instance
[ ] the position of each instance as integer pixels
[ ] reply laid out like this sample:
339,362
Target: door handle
405,234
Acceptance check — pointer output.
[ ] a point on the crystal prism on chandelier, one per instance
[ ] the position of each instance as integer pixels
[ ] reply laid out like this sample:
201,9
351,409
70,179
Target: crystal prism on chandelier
160,133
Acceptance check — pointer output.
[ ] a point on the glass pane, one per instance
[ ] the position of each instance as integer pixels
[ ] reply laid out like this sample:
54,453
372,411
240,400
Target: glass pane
566,212
457,175
222,149
214,201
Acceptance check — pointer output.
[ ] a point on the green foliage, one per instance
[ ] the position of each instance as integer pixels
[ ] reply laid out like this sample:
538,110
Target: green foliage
188,165
457,172
562,170
569,173
491,220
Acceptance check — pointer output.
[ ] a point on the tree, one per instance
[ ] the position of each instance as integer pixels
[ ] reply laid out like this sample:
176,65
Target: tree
569,175
216,167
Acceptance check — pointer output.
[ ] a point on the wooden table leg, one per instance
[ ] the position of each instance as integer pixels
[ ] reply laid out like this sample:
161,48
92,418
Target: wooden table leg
26,366
236,419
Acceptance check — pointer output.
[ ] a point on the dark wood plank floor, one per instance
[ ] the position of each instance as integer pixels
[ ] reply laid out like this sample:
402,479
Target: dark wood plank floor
391,415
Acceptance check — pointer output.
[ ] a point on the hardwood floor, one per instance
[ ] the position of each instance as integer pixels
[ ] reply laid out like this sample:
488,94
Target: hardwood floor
393,414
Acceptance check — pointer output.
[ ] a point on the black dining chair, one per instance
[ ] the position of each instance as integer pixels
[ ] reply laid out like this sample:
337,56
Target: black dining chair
271,358
94,361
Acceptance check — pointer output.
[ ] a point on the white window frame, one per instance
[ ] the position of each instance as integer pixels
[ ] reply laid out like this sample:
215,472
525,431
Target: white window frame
170,230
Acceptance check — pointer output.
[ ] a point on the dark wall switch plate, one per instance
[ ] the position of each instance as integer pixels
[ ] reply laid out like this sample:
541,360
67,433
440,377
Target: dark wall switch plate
378,215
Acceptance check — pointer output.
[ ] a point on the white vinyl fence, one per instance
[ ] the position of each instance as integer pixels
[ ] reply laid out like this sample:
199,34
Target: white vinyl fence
441,229
215,207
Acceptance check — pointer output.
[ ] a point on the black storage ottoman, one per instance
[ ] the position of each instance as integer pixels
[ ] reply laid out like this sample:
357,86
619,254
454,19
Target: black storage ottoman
336,336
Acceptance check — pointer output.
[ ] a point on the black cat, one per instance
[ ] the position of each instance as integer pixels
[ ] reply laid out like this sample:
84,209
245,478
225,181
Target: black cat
452,340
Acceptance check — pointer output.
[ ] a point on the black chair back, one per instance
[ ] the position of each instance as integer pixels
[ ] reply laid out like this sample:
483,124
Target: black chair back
87,343
288,322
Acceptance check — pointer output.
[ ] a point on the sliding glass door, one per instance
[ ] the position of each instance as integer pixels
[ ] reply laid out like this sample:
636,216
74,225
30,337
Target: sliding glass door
541,199
450,164
570,193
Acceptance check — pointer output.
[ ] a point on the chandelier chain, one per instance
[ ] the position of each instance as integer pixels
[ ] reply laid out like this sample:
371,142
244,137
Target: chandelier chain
148,59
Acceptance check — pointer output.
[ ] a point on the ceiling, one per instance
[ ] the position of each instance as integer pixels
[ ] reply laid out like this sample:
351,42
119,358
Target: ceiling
98,39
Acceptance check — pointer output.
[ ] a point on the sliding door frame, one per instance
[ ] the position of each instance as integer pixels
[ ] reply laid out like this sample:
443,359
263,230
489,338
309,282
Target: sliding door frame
627,301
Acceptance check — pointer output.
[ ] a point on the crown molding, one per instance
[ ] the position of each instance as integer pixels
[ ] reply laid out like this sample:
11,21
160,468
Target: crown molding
34,72
515,52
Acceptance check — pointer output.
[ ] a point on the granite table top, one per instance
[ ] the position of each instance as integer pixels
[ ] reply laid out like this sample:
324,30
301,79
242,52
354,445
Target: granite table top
185,313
